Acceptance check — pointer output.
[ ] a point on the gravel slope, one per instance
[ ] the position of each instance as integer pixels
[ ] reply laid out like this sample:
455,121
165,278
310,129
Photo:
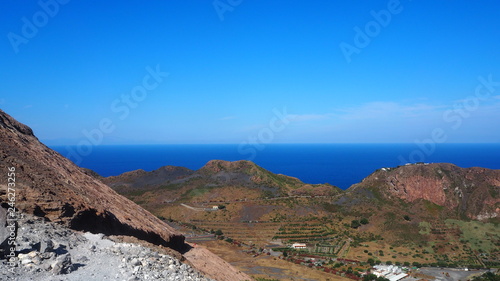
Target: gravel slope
51,252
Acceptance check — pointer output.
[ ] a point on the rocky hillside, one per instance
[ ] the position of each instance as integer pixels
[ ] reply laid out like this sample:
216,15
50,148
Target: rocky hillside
467,192
140,179
48,249
464,192
420,213
249,174
176,183
54,189
51,186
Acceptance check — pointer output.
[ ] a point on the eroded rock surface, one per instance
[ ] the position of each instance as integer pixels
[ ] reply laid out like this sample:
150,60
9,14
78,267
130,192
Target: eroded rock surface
52,252
49,185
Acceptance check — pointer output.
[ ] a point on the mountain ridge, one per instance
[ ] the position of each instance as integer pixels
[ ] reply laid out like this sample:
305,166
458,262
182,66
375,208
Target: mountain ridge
217,173
425,211
431,182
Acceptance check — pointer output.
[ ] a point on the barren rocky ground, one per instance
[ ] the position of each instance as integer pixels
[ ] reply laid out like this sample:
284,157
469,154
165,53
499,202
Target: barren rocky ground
49,251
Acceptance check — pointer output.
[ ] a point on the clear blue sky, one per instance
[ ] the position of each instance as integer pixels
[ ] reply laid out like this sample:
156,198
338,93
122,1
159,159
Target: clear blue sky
230,71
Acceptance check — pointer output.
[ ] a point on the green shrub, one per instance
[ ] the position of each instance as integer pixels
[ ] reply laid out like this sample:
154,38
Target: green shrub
355,224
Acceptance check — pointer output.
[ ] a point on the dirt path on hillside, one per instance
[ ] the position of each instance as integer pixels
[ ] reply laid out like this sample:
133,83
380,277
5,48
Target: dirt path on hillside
213,266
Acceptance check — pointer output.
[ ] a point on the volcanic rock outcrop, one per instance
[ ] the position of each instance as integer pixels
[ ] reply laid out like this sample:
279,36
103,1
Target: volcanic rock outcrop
470,192
51,186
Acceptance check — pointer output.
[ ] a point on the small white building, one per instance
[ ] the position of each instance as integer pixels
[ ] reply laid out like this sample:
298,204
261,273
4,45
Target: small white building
391,272
215,207
299,246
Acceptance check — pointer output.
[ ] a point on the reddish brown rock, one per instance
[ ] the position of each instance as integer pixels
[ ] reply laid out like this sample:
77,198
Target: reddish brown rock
51,186
473,192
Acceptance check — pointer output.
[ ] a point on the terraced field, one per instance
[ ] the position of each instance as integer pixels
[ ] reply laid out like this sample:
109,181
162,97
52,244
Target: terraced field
321,238
306,232
258,233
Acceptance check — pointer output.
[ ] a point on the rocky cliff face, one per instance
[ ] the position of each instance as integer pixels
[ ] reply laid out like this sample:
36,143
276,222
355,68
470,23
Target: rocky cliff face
472,192
50,186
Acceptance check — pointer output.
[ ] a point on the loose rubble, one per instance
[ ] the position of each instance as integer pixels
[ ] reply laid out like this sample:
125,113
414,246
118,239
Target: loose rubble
47,251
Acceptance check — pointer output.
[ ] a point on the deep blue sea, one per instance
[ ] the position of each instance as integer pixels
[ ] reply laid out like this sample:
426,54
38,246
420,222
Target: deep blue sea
338,164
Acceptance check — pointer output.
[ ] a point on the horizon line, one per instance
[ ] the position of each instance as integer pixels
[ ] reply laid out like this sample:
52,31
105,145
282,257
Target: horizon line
270,144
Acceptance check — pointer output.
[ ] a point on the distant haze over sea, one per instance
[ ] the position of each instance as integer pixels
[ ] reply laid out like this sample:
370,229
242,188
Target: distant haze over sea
338,164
